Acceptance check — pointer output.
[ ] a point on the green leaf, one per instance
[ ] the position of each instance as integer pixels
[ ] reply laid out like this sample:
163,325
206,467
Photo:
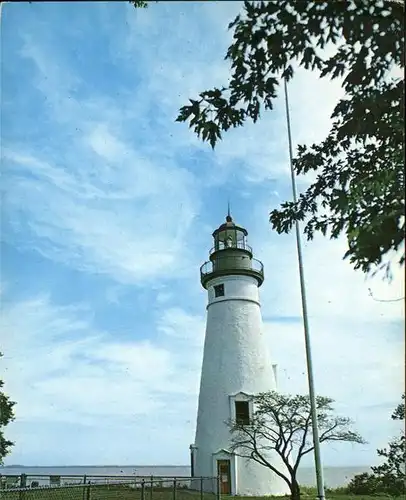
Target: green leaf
357,185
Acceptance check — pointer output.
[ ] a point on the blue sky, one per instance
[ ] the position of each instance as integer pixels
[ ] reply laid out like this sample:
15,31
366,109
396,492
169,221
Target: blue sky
107,213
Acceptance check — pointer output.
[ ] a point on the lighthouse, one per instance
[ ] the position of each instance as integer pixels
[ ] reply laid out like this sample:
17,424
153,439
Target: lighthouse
236,366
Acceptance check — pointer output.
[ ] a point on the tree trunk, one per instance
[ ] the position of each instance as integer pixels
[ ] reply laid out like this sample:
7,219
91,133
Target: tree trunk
294,489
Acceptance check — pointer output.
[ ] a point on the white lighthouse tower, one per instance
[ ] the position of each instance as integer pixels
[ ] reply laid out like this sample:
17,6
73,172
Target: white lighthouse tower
236,365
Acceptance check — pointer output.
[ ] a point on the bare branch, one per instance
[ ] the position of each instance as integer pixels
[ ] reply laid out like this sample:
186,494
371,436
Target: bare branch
303,443
281,424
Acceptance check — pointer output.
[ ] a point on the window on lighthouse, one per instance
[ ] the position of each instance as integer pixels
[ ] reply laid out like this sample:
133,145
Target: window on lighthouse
242,412
219,290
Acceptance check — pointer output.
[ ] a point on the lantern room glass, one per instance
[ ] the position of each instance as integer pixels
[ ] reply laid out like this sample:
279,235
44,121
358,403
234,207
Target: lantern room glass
230,237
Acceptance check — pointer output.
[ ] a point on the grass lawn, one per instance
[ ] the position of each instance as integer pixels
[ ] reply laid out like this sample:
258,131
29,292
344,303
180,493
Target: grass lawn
329,496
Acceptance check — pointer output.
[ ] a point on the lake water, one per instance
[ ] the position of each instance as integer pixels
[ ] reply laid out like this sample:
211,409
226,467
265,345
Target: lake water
333,476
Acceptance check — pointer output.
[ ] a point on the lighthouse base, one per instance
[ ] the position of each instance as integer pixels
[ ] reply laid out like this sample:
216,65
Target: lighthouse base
237,475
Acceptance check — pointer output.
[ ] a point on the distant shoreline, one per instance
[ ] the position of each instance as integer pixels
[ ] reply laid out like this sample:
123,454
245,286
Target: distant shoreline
84,466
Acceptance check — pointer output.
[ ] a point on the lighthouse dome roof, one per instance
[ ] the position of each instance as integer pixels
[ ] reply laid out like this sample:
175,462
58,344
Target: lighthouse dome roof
230,224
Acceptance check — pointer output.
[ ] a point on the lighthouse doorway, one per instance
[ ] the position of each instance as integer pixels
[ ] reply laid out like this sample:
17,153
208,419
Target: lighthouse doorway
224,473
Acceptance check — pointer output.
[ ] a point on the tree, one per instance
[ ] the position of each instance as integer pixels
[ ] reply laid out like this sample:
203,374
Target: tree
6,416
140,4
359,189
283,424
388,477
392,472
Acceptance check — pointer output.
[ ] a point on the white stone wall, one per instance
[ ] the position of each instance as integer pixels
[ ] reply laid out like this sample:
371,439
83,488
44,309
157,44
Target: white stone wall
235,360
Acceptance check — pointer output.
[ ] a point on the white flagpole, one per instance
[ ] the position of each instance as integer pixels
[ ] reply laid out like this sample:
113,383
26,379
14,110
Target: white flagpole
312,394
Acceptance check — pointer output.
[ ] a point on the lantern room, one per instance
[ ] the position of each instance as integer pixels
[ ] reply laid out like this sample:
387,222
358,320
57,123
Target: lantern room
229,235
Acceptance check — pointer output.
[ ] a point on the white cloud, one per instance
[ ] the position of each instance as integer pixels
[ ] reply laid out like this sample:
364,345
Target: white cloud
113,294
60,369
163,297
87,214
95,225
176,323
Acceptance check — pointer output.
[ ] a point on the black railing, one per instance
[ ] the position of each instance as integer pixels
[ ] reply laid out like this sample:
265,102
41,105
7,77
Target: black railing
233,266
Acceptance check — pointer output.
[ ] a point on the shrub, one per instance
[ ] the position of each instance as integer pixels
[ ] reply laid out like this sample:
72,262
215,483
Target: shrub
363,484
368,484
